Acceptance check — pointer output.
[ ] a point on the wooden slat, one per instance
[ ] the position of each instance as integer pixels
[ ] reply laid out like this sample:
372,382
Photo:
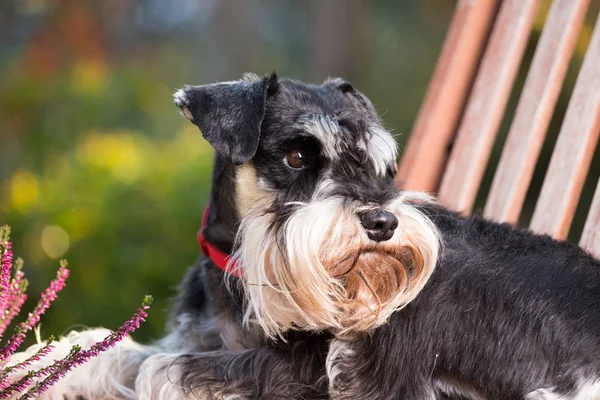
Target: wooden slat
574,149
487,102
590,238
535,108
425,153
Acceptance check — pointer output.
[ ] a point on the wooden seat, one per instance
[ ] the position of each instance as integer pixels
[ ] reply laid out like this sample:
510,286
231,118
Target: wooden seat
449,148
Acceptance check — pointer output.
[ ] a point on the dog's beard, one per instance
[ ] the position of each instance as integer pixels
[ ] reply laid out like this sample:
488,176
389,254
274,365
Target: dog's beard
318,270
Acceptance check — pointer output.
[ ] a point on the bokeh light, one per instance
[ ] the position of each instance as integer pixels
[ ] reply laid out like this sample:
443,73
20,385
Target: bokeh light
55,241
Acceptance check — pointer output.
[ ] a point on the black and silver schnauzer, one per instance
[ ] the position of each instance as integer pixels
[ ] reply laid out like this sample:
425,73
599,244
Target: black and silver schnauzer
323,281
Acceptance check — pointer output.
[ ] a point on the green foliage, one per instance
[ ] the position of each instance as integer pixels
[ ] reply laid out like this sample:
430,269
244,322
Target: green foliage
124,209
104,185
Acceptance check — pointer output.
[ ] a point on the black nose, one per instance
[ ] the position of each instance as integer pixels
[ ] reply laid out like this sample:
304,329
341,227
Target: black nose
380,224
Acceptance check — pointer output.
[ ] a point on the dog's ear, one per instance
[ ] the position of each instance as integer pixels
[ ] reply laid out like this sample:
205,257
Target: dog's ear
229,114
357,98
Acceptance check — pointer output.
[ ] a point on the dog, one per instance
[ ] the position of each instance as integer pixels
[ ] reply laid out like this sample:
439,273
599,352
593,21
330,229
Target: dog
321,280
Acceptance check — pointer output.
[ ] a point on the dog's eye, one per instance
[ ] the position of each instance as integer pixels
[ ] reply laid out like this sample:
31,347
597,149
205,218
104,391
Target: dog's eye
295,159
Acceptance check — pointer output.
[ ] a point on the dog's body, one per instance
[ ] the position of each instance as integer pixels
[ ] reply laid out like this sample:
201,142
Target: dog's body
505,315
349,289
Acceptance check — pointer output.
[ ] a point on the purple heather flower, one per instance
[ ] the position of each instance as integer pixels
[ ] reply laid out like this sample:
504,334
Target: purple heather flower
15,299
47,297
12,297
77,356
6,257
42,352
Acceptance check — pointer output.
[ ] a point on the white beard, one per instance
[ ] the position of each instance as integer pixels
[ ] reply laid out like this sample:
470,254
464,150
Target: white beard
321,272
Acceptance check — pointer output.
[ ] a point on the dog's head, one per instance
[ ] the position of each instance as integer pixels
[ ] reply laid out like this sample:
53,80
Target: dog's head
303,177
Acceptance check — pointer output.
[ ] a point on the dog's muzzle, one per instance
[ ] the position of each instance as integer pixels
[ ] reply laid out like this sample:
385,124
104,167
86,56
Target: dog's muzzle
333,265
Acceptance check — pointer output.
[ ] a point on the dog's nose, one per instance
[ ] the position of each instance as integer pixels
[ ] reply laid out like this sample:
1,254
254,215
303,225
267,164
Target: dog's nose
380,224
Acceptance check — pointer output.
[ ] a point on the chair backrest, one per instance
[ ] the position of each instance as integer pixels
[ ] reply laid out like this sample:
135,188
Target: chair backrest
451,142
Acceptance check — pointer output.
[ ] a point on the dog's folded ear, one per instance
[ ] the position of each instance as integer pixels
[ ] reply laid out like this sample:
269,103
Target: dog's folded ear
229,114
357,98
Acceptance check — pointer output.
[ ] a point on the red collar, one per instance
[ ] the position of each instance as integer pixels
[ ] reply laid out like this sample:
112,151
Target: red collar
218,257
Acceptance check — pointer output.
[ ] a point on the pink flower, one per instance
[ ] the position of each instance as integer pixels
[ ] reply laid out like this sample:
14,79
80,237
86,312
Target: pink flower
12,297
16,297
77,356
42,352
6,257
48,296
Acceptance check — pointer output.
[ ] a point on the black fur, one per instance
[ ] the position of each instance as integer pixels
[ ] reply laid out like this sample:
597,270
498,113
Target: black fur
230,115
505,310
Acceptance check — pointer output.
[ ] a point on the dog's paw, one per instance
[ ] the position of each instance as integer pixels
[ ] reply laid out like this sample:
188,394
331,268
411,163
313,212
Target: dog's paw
159,378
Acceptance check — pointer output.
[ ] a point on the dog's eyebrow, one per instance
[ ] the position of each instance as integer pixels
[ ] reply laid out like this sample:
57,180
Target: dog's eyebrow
378,143
382,149
326,130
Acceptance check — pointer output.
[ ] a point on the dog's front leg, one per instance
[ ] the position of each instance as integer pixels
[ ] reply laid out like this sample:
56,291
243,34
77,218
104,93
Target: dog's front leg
264,373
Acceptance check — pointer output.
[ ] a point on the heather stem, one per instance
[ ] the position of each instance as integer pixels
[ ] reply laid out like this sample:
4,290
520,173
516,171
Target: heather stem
12,297
5,267
16,297
78,356
23,383
43,351
47,297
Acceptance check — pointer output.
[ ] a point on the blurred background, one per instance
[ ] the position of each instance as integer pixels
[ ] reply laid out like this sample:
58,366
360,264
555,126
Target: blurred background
97,166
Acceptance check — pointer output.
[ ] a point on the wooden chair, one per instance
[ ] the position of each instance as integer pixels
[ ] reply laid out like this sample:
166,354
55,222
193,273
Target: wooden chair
452,139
